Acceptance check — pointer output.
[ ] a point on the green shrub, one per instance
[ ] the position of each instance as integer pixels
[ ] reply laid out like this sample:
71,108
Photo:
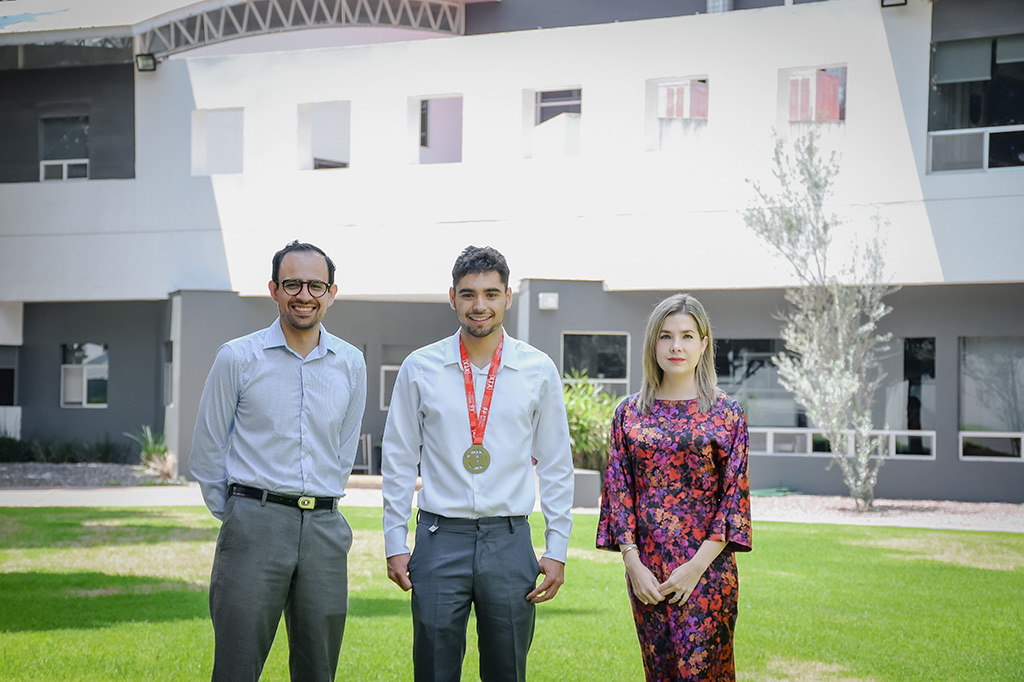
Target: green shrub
590,411
16,450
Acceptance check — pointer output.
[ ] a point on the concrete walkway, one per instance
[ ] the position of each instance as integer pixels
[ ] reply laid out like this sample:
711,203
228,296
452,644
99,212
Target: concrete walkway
363,491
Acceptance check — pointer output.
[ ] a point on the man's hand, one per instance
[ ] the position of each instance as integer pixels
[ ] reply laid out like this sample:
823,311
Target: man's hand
554,577
398,570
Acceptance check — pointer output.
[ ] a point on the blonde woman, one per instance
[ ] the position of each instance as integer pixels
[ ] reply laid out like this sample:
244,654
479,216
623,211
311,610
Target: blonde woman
676,500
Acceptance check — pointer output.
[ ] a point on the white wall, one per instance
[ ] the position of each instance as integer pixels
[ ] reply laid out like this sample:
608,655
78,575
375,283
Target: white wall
612,212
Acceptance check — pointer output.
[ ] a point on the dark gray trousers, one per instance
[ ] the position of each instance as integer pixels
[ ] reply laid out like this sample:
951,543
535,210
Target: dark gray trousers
488,564
273,559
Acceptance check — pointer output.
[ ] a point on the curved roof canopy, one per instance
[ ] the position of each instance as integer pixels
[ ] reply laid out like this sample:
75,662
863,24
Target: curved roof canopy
165,27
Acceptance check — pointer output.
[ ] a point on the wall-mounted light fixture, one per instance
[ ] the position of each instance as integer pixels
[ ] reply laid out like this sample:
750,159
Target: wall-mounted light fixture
893,3
145,62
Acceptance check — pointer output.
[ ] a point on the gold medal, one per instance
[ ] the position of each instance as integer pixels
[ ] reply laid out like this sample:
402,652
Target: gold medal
477,459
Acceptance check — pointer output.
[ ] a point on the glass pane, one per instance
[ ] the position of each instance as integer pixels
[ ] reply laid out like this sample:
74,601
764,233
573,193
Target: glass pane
914,445
85,353
78,170
958,152
992,384
746,372
72,385
599,356
549,112
53,171
65,138
96,384
790,442
758,442
1009,49
560,95
1006,150
985,446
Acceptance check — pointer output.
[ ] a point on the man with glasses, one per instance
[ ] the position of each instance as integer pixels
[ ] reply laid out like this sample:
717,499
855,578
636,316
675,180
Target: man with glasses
273,448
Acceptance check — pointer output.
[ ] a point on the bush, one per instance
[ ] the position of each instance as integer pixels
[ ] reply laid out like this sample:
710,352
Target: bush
155,454
59,451
15,450
590,411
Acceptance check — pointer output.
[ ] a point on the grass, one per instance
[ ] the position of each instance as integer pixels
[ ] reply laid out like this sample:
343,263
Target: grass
103,594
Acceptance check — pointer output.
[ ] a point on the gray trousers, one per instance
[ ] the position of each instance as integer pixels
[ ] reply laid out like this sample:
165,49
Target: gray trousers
273,559
488,564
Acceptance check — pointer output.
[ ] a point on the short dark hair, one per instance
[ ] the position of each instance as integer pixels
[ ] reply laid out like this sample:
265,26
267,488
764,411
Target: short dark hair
300,246
479,259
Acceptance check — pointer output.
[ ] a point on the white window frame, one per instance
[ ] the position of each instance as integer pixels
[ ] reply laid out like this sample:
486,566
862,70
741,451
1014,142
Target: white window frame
686,84
64,164
963,435
986,134
599,381
84,403
385,397
807,434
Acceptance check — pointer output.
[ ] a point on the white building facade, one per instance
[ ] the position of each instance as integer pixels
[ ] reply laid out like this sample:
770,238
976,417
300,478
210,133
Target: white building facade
605,149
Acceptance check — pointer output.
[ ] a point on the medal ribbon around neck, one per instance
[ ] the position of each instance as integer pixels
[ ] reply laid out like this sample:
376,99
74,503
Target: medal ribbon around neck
477,459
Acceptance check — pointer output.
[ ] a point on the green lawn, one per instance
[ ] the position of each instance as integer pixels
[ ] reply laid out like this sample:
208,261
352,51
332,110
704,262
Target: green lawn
120,594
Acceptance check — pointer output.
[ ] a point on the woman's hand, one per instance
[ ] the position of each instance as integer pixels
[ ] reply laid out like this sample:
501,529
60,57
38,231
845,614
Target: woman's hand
683,580
643,582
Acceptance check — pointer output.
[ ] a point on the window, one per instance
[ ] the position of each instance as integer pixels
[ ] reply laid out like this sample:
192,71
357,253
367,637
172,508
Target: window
817,95
216,141
83,375
602,356
553,123
440,130
746,372
8,364
975,115
392,357
677,112
991,398
554,102
908,397
168,374
64,148
324,135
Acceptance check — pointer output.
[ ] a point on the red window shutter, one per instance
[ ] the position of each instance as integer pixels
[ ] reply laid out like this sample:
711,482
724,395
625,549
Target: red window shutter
826,105
698,99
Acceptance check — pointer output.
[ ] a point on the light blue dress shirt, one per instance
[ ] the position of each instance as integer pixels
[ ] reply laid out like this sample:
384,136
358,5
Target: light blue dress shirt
273,420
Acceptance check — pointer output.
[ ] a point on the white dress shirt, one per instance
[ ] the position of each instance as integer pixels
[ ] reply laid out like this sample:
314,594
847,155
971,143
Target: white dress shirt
428,425
273,420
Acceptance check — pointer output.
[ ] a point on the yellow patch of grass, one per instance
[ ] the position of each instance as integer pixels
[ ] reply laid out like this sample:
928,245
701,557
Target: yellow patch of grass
793,670
958,550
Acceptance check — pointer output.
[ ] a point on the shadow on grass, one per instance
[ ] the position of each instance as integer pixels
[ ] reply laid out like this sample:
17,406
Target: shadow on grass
53,527
376,608
57,601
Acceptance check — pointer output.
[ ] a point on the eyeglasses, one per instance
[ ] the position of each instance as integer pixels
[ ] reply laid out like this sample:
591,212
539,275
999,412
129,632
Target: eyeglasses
315,287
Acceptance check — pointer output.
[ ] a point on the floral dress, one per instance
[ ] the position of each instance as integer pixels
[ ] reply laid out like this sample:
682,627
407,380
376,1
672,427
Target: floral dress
677,477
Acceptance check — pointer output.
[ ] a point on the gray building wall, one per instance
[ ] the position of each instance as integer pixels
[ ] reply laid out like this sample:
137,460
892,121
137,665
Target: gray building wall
947,313
378,329
526,15
134,332
106,94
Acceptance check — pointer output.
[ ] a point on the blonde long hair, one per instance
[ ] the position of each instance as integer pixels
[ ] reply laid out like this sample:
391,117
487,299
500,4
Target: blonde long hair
705,375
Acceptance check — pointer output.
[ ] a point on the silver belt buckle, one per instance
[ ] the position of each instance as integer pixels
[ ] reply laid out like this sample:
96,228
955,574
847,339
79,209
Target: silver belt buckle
307,502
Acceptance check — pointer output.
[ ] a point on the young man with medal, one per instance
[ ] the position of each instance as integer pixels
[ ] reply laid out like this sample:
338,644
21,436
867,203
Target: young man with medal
473,413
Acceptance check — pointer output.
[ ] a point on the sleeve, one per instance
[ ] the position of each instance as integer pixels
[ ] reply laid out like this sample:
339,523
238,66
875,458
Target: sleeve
731,523
214,425
554,467
617,523
349,434
400,457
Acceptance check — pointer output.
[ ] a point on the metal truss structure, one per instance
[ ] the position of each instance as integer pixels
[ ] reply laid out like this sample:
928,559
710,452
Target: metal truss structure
218,23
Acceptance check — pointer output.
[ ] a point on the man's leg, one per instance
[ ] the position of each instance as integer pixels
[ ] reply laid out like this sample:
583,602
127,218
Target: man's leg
316,609
441,570
507,571
252,572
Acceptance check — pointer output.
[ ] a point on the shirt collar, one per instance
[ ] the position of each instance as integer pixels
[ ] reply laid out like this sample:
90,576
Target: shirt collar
509,354
274,338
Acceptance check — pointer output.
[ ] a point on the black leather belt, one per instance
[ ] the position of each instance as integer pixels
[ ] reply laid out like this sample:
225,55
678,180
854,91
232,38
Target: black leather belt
304,502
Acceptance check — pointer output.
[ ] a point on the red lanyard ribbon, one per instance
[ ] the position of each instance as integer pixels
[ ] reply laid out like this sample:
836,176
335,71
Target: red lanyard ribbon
477,424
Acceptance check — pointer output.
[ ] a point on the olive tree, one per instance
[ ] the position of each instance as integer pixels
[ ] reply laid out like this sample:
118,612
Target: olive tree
830,329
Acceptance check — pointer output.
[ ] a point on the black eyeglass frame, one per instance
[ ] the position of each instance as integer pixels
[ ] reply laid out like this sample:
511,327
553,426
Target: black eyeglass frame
287,284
